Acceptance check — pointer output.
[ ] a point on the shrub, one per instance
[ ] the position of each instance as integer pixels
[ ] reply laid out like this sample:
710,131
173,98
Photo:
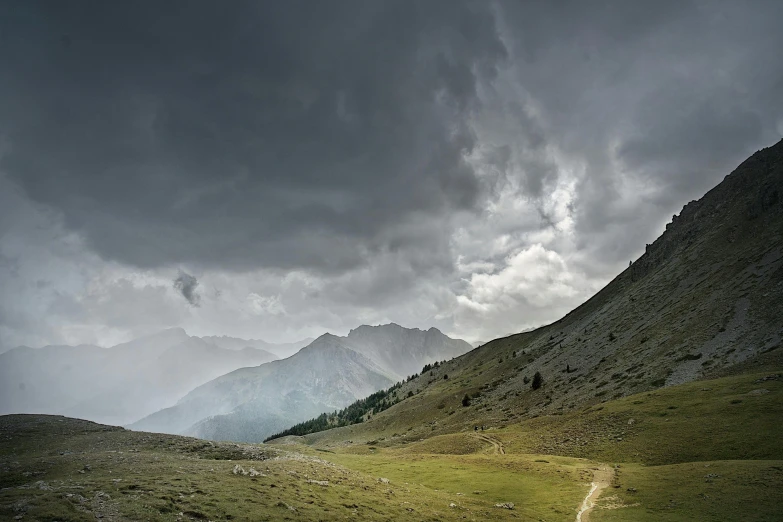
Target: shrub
466,400
445,376
537,381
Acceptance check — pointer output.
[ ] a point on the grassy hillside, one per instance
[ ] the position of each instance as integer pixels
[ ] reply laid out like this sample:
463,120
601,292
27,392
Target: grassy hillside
55,468
706,450
727,418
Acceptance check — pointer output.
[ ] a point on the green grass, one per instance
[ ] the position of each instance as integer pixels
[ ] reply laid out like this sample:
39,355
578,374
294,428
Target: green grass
709,491
707,450
719,419
142,476
666,443
539,490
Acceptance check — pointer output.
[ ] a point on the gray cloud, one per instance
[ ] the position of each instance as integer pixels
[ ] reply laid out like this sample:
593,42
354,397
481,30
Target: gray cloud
288,135
327,164
186,285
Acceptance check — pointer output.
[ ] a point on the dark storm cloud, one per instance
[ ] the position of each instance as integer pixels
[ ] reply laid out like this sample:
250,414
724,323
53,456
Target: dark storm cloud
332,163
245,134
186,285
654,101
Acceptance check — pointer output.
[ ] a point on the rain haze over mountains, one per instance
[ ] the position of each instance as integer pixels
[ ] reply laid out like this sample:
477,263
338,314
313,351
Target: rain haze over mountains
187,190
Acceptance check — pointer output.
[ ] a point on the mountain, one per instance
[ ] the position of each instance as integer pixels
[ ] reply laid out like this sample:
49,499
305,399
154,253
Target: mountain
403,351
331,372
114,385
704,300
281,350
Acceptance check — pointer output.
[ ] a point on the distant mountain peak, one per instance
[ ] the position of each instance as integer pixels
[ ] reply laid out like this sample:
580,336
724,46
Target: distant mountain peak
388,327
168,333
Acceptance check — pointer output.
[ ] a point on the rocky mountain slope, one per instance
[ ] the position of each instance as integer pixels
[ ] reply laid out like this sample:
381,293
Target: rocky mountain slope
252,403
705,299
114,385
404,351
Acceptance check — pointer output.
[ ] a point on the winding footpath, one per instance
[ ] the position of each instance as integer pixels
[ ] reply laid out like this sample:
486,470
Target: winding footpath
602,478
496,444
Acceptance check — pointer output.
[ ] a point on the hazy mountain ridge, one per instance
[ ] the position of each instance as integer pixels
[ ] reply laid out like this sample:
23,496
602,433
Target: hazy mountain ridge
705,298
281,350
330,373
114,385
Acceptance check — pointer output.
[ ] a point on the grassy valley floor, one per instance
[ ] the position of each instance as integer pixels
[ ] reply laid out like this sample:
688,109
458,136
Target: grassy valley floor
708,450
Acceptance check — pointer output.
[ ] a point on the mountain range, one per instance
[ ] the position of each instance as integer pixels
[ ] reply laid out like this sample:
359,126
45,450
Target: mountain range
251,403
123,383
281,350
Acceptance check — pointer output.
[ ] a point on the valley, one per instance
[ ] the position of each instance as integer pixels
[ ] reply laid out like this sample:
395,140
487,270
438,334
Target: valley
679,460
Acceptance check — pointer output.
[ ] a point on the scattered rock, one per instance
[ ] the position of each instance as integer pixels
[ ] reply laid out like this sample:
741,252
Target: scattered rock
383,480
318,482
760,391
287,506
452,505
505,505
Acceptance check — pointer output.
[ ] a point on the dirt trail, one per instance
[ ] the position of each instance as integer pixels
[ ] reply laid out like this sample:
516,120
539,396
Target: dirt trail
496,444
602,478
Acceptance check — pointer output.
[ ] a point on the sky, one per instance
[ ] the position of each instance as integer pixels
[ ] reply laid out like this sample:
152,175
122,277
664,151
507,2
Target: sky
277,170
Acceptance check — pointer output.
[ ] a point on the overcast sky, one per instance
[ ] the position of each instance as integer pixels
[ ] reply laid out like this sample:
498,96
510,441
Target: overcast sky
280,169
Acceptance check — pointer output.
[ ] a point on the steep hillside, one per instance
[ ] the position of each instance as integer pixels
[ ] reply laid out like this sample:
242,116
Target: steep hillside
114,385
705,299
